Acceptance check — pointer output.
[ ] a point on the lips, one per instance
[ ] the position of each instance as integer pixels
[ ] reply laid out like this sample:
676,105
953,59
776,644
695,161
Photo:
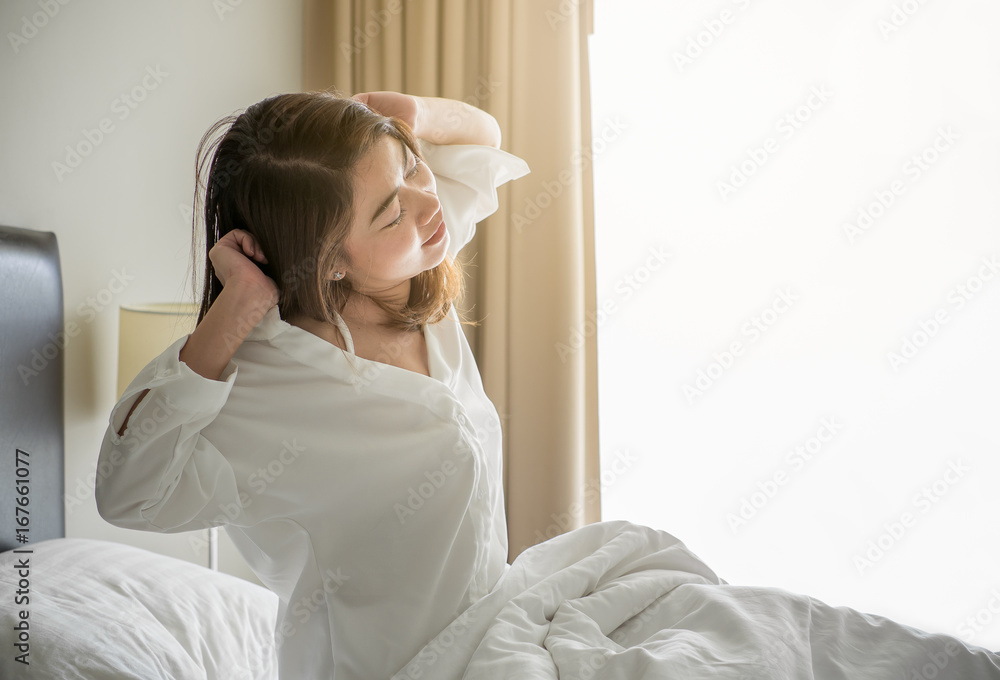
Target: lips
437,235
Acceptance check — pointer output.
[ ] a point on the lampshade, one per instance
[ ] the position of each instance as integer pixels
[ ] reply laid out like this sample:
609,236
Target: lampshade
144,331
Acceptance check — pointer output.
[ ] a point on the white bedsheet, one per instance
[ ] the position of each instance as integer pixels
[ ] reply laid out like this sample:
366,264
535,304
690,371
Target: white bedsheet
614,600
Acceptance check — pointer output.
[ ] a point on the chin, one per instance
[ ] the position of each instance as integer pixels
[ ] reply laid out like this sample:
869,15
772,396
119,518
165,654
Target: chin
438,252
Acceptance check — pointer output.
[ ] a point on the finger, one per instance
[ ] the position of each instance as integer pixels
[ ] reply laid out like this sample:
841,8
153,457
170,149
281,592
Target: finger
255,250
246,242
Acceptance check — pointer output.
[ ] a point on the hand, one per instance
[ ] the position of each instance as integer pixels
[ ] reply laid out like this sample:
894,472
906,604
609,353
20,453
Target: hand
231,259
394,105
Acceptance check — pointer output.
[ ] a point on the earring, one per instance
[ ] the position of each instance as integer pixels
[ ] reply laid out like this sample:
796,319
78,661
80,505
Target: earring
338,275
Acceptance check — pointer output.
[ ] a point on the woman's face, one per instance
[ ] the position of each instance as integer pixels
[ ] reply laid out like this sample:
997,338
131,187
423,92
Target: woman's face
398,229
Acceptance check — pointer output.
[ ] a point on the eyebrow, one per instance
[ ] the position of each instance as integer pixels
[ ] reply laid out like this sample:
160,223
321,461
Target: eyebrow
385,206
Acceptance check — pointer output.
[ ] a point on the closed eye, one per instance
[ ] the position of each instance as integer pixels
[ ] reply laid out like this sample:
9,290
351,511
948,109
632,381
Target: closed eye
399,219
416,167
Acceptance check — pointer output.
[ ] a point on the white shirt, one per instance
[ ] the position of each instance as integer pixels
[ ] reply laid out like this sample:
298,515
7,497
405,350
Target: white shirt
368,497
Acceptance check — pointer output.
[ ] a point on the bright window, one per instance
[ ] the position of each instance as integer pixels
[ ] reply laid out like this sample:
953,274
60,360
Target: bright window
798,243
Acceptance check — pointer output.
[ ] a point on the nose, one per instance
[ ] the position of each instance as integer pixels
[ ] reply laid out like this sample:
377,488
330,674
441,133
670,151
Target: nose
428,206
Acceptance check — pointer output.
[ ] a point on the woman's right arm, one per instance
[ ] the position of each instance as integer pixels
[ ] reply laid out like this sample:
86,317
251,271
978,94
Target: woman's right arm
246,296
212,345
162,474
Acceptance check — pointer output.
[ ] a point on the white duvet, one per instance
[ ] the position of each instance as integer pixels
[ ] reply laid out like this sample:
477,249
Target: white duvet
611,600
614,600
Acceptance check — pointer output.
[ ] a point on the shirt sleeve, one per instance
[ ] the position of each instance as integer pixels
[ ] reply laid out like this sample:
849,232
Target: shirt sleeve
162,474
467,179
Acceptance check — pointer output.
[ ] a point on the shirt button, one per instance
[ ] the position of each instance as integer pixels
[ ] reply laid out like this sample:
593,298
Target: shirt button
461,419
482,492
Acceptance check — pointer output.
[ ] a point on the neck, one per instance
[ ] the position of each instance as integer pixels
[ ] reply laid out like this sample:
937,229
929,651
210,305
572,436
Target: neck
362,311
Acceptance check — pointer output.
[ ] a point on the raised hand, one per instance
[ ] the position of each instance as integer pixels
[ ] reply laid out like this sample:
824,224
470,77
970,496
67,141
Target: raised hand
394,105
231,258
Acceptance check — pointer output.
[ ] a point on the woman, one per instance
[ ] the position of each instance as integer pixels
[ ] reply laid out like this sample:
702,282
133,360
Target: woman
327,409
328,412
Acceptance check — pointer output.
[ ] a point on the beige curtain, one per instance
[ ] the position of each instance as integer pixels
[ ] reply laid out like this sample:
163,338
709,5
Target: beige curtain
531,264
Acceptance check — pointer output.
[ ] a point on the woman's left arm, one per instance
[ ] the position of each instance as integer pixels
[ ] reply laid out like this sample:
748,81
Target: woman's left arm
448,121
438,120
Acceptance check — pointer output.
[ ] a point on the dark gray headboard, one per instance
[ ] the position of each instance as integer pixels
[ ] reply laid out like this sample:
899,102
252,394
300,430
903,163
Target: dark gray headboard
32,344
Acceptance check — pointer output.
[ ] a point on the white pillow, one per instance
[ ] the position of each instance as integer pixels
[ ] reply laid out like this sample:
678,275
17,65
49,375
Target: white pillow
100,610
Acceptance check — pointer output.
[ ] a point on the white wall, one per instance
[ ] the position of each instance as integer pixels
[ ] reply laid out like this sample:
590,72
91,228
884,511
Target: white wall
124,211
896,513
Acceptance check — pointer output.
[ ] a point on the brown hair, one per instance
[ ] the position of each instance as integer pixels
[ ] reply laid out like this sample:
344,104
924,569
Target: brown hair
283,171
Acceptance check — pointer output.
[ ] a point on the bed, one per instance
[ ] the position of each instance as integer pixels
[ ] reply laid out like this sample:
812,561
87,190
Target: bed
84,608
611,600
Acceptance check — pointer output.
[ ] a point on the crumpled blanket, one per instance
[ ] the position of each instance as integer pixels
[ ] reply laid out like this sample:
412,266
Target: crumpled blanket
620,601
